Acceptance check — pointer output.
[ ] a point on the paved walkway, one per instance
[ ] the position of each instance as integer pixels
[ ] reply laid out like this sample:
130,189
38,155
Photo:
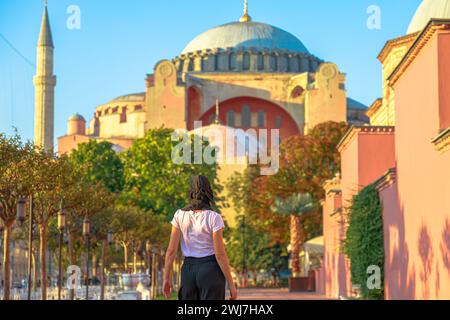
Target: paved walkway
276,294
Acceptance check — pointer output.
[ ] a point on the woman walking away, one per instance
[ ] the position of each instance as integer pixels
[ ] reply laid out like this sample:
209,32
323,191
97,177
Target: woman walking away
206,268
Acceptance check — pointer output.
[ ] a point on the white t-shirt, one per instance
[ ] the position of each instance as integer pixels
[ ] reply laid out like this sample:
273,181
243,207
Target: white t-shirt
197,230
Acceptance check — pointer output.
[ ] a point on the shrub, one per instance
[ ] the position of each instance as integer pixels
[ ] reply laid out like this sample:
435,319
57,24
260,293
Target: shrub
364,243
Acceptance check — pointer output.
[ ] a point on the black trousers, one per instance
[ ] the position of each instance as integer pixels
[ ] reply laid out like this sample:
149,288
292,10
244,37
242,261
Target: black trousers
202,279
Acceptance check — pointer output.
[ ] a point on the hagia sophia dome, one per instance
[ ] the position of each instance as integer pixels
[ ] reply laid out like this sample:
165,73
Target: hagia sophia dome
260,46
429,9
246,35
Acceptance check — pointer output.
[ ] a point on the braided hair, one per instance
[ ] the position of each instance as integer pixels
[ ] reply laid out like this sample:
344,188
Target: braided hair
201,194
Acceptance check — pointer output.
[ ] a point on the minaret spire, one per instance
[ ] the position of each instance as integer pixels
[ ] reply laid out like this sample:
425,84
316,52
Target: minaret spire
245,17
44,84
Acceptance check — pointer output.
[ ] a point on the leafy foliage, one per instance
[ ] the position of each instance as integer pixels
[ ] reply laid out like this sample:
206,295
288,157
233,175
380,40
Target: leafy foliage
101,164
155,182
260,252
364,243
265,236
297,204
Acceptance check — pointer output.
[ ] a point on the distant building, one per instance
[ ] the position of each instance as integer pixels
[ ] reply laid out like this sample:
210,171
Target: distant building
262,77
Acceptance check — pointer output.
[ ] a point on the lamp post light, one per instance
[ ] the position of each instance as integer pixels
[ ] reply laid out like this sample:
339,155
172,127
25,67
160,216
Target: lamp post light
21,217
86,234
61,228
21,210
109,241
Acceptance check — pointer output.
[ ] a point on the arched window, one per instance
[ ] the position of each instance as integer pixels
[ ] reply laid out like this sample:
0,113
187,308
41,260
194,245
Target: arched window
233,61
278,122
230,119
297,92
246,117
261,119
260,61
246,62
273,63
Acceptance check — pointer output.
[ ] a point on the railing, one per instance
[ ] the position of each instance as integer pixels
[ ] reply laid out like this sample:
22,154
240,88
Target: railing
52,293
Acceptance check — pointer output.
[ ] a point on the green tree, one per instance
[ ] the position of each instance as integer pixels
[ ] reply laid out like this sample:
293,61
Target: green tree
260,252
100,163
16,159
364,243
295,207
154,181
306,162
132,226
261,243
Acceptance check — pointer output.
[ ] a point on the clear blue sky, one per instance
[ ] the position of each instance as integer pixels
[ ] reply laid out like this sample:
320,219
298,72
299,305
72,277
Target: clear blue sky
120,41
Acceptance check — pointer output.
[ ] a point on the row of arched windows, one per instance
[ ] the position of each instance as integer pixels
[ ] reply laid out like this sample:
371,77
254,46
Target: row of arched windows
293,64
248,119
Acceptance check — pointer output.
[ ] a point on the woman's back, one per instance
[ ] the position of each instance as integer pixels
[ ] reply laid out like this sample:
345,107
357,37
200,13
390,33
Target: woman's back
197,228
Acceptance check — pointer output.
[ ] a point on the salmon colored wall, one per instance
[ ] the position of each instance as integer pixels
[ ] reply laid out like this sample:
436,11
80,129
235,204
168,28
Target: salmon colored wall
444,79
335,265
166,99
423,176
376,156
366,154
194,106
68,143
399,284
76,127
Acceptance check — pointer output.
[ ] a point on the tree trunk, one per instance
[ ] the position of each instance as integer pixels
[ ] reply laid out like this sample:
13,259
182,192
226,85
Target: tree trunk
43,247
35,270
125,257
94,266
102,271
134,262
295,244
7,261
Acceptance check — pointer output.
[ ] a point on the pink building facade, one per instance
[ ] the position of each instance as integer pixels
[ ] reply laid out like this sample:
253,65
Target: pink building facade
410,166
366,153
416,196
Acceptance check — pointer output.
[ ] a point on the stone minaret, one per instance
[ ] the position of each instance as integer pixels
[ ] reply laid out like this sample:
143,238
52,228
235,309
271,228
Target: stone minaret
44,84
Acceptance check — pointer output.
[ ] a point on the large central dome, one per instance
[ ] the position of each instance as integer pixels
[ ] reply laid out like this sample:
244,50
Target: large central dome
246,35
428,9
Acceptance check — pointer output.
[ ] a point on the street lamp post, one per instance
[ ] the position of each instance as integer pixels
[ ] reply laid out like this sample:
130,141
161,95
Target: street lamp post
86,234
109,242
148,250
61,227
21,216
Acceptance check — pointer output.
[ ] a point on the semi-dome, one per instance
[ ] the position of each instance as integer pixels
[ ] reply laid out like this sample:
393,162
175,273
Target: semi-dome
246,35
133,97
428,9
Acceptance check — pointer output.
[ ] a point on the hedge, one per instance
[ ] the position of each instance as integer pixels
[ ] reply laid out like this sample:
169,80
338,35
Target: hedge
364,244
